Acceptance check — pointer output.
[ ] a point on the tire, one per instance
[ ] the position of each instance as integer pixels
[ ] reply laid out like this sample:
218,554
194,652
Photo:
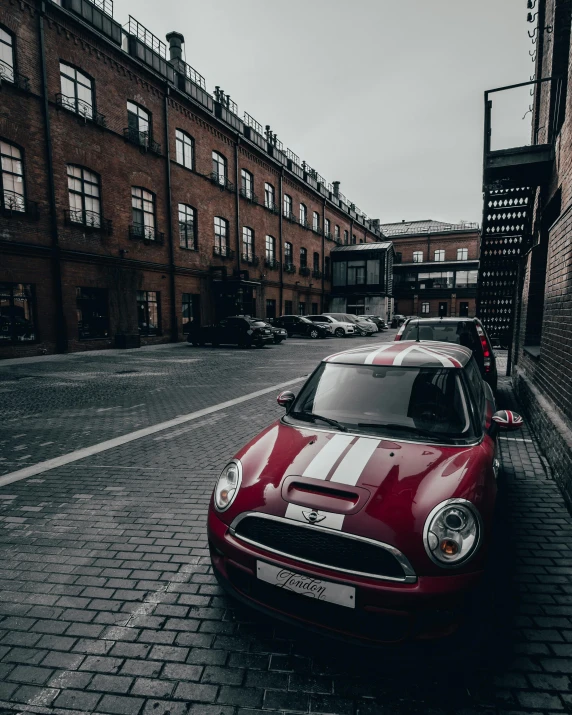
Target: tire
259,345
339,332
195,343
314,334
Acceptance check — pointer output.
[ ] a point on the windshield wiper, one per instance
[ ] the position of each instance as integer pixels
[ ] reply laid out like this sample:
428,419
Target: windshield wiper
407,428
312,417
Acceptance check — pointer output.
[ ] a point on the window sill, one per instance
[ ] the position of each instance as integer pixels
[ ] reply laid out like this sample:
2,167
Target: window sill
188,248
532,351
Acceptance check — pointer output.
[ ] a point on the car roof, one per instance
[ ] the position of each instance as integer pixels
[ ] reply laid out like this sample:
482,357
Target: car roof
449,319
408,353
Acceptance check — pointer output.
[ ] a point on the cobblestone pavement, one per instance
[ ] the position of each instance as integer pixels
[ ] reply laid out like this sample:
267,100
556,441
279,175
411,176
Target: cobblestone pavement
108,604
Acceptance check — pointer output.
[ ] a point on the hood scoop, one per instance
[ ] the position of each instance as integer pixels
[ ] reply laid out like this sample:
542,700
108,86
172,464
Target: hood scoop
321,495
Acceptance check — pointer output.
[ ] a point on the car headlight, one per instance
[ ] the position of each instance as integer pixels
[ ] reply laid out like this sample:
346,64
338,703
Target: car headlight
228,485
453,532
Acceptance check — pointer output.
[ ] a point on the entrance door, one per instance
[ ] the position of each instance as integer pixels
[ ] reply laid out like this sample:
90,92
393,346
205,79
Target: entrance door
443,309
463,309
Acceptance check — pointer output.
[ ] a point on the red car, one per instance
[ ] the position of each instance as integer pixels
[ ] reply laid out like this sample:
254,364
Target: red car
367,509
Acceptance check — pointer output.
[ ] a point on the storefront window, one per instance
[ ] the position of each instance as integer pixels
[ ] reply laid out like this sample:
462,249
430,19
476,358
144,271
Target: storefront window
17,324
92,313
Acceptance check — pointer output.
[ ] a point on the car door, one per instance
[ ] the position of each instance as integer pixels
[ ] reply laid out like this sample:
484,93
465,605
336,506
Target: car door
237,330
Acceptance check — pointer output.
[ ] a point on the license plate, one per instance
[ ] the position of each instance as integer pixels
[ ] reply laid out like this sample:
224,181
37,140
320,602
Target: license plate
306,585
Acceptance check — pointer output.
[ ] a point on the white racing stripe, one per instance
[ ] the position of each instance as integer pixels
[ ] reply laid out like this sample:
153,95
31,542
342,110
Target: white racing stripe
352,465
371,357
331,521
320,466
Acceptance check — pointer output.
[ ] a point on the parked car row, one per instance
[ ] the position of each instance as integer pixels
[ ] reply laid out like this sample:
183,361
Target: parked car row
246,331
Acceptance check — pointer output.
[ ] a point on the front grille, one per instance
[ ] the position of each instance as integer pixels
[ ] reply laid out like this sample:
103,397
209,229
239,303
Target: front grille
320,546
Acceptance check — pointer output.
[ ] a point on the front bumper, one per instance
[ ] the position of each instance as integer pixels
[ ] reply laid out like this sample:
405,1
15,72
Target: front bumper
386,611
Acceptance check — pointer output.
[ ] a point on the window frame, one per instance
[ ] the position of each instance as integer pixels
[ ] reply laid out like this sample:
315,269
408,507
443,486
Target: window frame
315,221
76,107
218,249
288,254
439,252
84,212
346,237
159,329
13,67
193,302
247,177
327,226
144,137
217,176
287,201
464,254
270,244
417,256
186,246
303,257
425,308
269,196
23,206
303,215
191,143
32,304
247,232
145,234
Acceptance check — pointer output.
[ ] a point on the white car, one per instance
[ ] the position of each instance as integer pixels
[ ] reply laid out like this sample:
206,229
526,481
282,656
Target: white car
361,326
340,328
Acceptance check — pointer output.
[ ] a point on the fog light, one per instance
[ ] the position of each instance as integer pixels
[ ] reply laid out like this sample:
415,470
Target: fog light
449,547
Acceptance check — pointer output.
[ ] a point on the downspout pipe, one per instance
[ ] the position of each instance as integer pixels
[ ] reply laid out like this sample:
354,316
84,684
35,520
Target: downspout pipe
237,204
61,327
172,287
280,241
323,254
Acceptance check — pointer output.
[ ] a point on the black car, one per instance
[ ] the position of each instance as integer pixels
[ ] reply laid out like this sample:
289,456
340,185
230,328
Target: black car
462,331
279,334
236,330
380,322
299,325
397,320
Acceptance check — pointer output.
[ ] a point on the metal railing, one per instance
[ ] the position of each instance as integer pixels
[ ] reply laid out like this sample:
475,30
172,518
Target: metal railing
138,232
195,77
251,259
88,219
317,273
221,181
249,195
293,157
272,206
13,204
141,139
7,74
223,252
253,124
139,31
289,268
289,216
79,106
304,271
271,263
225,100
304,223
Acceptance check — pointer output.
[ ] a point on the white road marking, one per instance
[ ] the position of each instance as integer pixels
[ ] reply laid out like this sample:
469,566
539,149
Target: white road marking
204,423
48,464
332,521
352,465
515,439
320,466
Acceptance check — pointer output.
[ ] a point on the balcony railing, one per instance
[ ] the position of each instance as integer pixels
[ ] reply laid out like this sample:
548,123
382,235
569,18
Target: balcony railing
14,205
147,234
317,229
221,181
303,223
223,252
141,139
271,263
289,216
249,195
317,273
250,259
328,236
289,268
90,220
7,74
84,109
272,206
304,271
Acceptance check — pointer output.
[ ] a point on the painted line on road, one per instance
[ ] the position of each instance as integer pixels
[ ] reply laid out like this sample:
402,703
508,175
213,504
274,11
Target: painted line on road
515,439
45,466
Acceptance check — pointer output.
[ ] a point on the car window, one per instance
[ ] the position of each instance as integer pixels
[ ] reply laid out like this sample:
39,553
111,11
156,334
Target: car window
476,386
305,320
417,403
461,333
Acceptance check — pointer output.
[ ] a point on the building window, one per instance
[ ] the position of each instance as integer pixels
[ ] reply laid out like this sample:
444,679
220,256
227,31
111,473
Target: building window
247,243
463,309
190,311
270,308
356,273
143,212
287,206
17,324
92,313
187,227
327,226
270,248
288,254
465,279
425,308
84,196
247,182
185,145
315,309
12,178
6,56
440,254
149,312
77,91
269,196
303,258
315,221
138,124
354,239
417,256
220,236
316,262
303,215
346,237
220,169
301,307
337,232
462,254
288,307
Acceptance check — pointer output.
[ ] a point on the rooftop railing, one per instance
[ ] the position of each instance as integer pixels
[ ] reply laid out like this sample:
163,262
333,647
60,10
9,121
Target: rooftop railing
253,124
136,29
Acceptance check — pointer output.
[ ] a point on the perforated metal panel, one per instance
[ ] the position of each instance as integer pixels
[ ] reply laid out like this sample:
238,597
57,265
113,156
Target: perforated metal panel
505,236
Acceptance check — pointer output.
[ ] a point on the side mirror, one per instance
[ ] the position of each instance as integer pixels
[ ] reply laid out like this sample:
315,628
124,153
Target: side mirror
507,420
285,399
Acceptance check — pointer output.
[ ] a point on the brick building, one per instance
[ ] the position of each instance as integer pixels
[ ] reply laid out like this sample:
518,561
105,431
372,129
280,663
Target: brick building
436,267
525,284
132,200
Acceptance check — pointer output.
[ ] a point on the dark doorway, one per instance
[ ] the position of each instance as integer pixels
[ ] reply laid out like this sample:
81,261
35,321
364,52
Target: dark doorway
442,309
463,309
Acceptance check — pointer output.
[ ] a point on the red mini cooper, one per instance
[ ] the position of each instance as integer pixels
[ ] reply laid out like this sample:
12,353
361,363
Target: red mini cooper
366,510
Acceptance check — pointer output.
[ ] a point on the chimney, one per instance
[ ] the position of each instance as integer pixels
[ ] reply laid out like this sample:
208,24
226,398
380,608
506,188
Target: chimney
336,185
375,223
176,41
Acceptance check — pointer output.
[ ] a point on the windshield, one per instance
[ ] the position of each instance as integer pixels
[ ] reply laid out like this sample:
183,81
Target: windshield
258,324
461,333
414,403
305,320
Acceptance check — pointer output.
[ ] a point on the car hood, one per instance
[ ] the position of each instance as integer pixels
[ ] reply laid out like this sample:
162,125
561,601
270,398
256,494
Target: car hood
378,488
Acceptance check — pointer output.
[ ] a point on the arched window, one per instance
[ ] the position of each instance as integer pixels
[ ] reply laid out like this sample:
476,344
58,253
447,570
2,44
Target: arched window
247,243
269,196
220,169
287,206
303,258
185,145
138,124
187,227
11,177
143,213
247,184
288,254
270,248
77,91
316,221
303,215
6,55
84,196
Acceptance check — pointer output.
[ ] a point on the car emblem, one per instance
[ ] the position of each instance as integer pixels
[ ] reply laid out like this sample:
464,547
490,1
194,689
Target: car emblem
313,517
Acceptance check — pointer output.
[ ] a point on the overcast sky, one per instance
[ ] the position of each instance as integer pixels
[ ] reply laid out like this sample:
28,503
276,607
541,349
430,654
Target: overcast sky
385,96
